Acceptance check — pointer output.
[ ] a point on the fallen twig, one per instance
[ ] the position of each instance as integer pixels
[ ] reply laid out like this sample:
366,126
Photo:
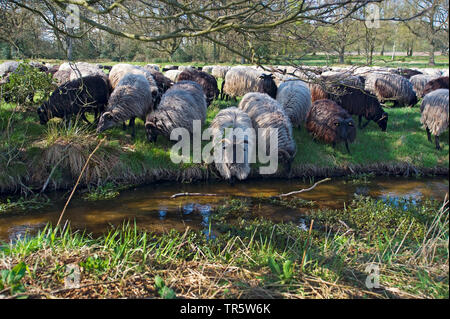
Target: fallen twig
78,180
303,190
191,194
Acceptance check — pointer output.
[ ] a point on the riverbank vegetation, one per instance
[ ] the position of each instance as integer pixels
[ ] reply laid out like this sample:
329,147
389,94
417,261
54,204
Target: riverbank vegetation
336,255
37,157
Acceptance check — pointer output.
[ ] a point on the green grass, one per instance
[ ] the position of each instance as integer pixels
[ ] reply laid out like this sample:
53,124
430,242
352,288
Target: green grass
249,259
127,159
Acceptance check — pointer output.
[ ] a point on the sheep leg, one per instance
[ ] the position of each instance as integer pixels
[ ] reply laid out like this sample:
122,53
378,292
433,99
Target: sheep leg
436,141
346,146
367,123
124,126
232,180
133,127
359,121
429,134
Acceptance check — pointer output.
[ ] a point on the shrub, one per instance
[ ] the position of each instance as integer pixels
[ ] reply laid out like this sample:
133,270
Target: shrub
26,83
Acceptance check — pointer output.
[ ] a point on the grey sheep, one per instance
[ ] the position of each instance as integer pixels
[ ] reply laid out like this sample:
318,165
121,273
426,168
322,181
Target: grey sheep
233,167
434,109
295,97
419,81
8,67
183,103
131,98
265,113
240,80
393,87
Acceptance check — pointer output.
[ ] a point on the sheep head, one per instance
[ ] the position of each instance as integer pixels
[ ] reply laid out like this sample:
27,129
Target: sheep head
42,111
382,122
106,121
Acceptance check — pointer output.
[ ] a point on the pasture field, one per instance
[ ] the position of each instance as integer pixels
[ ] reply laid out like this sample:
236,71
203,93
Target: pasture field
404,149
247,257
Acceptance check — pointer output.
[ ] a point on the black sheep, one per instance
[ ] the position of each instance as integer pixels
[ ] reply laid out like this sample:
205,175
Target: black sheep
267,85
88,93
360,102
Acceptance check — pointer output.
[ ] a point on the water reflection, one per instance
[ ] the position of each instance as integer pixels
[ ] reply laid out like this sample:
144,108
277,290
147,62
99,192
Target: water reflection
152,208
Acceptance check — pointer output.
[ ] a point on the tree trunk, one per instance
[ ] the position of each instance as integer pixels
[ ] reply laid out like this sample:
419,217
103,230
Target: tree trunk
382,49
342,56
431,62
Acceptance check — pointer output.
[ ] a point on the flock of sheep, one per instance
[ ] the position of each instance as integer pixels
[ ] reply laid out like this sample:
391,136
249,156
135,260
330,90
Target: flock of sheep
321,99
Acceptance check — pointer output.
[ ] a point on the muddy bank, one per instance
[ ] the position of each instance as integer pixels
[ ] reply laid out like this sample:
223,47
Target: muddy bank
199,173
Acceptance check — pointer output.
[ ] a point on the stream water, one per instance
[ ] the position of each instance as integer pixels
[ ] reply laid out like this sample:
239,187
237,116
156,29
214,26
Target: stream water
152,208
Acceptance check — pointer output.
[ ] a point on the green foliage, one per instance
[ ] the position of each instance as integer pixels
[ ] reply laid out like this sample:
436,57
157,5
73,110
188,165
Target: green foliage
24,203
284,271
94,264
28,83
11,279
164,291
102,192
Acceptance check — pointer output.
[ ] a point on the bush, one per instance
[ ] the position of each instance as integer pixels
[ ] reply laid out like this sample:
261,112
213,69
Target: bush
26,83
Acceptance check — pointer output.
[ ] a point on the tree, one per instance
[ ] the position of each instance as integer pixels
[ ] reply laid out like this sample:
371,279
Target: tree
432,24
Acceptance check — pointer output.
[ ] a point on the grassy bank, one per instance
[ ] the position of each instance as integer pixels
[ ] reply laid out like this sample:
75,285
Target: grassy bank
242,257
52,156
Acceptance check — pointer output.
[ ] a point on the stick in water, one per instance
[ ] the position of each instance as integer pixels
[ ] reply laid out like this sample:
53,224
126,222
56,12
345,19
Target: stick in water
304,190
191,194
78,181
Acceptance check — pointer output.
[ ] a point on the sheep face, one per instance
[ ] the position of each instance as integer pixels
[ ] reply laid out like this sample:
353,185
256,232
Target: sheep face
382,122
106,121
345,129
43,114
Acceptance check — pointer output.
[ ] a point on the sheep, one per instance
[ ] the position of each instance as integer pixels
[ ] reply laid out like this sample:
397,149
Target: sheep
329,122
391,87
266,84
434,118
82,70
239,121
53,69
329,82
170,67
208,68
266,113
183,103
172,75
8,67
131,98
359,102
207,82
405,72
162,82
419,81
61,76
295,97
220,71
439,83
239,81
152,66
185,67
76,97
